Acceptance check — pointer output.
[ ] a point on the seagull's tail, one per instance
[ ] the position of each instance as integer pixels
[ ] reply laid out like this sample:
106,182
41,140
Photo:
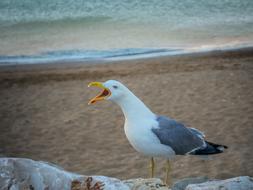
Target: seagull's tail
210,148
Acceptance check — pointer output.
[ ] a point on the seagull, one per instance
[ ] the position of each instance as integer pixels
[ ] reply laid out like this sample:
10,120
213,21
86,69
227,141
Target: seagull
151,134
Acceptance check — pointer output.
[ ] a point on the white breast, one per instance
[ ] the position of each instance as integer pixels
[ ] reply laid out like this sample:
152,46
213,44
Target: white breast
144,140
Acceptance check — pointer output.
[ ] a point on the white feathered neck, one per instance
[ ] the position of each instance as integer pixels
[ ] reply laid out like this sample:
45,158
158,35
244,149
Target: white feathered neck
133,108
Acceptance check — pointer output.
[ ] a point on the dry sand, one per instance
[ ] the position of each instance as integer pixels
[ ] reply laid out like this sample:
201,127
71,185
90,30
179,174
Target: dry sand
44,113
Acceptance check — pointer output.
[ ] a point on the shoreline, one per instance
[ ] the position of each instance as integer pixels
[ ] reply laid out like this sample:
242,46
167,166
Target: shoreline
61,71
125,55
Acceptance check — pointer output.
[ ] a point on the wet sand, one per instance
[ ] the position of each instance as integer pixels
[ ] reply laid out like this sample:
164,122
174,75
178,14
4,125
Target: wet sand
44,113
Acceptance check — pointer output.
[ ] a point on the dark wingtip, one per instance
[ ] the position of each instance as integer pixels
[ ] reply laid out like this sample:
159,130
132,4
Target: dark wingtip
221,148
211,148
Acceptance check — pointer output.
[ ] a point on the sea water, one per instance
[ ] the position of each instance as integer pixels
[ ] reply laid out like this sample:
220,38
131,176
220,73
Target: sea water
33,31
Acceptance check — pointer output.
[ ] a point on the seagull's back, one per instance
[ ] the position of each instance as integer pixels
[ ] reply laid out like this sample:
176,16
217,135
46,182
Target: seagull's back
184,140
174,134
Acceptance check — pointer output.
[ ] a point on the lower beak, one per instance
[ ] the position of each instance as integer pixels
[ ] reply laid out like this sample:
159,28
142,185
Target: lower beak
102,95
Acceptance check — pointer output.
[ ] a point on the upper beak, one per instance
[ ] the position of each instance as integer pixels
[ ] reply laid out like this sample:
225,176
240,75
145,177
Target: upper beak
102,95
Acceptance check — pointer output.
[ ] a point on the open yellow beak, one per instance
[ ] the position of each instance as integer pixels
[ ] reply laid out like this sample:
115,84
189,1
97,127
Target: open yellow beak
102,95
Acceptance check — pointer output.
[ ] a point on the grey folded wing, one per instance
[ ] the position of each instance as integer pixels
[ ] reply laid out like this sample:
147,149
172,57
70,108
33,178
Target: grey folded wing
181,139
197,132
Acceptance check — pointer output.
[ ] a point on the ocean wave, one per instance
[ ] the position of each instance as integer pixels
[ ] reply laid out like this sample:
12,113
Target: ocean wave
65,20
82,55
170,12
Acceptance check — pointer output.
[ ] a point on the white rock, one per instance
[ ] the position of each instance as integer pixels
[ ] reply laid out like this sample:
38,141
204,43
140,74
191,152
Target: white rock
20,173
182,184
146,184
237,183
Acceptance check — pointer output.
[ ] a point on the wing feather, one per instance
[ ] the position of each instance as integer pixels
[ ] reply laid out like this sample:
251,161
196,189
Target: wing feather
180,138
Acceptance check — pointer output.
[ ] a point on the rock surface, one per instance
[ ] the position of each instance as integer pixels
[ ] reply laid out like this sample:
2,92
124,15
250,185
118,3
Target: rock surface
20,173
237,183
26,174
182,184
145,184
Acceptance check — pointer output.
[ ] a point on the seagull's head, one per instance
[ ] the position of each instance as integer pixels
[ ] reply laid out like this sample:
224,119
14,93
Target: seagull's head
111,90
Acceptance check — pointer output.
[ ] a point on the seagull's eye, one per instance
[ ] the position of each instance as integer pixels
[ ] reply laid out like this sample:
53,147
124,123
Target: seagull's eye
115,87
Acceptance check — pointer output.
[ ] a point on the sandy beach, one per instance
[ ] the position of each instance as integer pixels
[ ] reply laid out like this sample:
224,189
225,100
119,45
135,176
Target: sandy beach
44,113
